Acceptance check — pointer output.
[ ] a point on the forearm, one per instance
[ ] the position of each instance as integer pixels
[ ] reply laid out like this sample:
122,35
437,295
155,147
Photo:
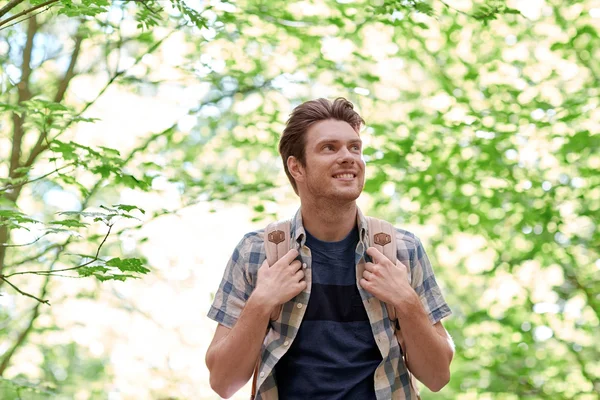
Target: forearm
232,360
428,353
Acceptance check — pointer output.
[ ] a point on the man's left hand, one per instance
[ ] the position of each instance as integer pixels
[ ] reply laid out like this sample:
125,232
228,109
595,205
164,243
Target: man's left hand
386,281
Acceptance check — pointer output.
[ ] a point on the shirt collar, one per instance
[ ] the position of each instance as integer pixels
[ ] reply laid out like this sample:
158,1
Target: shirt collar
299,233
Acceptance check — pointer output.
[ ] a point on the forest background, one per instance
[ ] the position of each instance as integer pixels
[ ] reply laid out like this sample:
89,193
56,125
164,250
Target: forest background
138,143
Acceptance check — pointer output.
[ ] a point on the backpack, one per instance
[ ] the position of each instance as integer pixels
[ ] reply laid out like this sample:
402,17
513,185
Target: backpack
381,235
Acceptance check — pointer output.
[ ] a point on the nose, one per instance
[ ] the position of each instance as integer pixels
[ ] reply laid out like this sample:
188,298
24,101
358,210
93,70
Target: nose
346,156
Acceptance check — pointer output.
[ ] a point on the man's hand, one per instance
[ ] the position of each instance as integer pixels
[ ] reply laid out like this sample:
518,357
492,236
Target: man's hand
282,281
386,281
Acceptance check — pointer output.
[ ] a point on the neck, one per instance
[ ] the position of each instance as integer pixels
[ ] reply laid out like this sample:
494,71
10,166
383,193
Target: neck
329,223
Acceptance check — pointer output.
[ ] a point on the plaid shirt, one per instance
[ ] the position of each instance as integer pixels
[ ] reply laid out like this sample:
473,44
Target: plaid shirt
239,280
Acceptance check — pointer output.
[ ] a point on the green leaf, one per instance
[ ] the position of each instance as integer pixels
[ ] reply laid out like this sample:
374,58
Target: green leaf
17,217
71,223
128,208
85,214
117,277
61,230
511,11
128,264
66,150
110,151
88,271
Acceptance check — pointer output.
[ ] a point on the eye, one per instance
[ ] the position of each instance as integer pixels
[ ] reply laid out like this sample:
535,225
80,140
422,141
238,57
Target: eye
328,147
355,147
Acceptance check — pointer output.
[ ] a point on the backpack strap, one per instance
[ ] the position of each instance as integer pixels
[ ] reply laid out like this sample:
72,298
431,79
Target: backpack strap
277,243
382,236
277,240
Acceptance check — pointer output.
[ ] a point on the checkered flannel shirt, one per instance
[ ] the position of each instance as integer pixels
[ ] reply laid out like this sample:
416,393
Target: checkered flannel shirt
239,280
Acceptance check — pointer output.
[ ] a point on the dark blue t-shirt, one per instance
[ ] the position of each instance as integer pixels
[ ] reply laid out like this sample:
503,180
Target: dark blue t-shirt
334,355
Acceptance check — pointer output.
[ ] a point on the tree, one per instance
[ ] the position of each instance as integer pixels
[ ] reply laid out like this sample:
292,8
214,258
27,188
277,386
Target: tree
481,122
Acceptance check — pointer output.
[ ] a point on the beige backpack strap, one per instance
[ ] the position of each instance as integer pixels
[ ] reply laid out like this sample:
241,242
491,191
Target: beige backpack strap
277,244
382,236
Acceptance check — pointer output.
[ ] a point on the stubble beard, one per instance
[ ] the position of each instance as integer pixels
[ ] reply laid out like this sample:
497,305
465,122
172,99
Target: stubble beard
324,190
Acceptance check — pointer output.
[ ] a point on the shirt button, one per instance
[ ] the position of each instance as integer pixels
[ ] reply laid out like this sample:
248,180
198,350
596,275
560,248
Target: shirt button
262,374
299,305
286,343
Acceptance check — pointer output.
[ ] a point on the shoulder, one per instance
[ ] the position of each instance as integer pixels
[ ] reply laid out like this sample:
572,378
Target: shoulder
409,248
251,245
407,239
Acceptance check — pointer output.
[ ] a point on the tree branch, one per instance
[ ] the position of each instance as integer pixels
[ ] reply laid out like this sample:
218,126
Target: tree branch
24,95
42,147
455,9
23,293
23,335
33,257
7,20
51,271
9,187
9,6
23,244
69,74
39,146
18,131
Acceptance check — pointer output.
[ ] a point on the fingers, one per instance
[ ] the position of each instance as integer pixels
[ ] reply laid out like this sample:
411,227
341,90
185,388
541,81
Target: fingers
403,267
368,275
299,275
365,285
295,266
289,256
376,255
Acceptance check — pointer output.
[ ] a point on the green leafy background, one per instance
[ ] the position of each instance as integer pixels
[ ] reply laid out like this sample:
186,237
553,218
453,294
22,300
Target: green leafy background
482,136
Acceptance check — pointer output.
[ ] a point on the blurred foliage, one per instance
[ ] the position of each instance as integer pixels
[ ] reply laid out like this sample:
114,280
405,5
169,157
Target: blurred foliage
482,121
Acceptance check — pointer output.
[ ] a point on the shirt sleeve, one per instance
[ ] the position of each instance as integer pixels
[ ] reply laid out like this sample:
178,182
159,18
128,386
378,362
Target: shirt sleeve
235,287
424,283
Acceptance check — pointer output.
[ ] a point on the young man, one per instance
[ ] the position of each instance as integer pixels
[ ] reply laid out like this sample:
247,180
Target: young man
334,339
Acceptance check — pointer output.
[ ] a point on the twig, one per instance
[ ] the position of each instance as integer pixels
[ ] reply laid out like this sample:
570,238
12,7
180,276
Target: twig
23,335
104,241
455,9
51,271
24,293
25,19
24,244
70,73
9,187
33,257
110,81
7,20
9,6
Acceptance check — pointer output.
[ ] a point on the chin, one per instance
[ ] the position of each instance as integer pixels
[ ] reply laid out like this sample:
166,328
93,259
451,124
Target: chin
347,195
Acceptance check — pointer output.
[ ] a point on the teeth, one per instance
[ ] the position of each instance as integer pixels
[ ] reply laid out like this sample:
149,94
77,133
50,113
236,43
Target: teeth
344,176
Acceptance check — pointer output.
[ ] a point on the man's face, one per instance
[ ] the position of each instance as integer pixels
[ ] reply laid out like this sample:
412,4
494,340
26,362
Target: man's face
335,169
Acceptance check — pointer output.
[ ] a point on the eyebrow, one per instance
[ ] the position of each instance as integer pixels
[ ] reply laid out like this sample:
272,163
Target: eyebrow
324,141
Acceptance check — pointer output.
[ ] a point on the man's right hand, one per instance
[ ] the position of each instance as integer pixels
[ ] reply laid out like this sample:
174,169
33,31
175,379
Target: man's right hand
281,281
232,355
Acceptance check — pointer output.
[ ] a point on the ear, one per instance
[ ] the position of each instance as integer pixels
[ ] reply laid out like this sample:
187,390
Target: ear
296,169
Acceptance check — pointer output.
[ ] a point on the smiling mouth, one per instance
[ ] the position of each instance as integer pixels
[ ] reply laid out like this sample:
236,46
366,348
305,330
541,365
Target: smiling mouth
344,176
